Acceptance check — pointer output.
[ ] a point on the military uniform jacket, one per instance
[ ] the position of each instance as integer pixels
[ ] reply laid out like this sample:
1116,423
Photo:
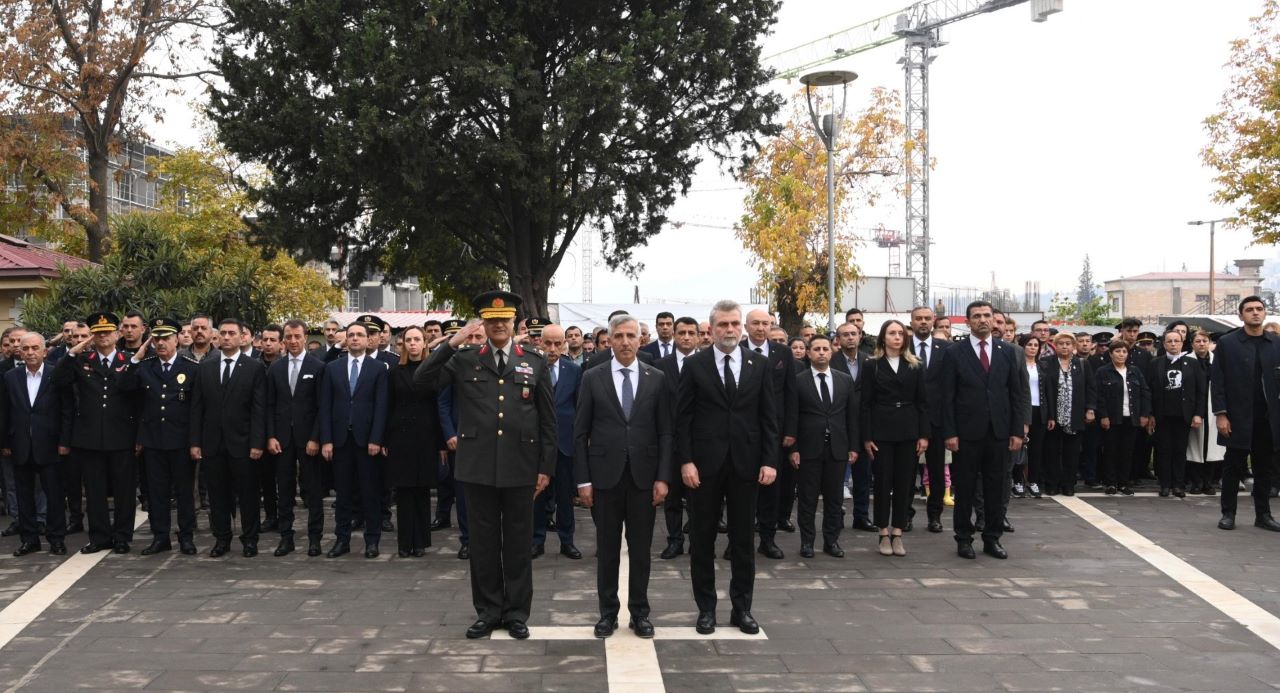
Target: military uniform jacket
165,406
507,430
106,415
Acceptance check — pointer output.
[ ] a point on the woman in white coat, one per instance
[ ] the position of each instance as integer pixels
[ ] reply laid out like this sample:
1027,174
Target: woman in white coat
1204,455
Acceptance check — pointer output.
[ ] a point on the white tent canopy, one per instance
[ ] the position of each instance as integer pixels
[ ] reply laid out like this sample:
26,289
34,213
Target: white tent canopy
591,315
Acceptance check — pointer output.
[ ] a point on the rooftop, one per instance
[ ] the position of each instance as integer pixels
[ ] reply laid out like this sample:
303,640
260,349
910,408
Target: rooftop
20,259
1166,276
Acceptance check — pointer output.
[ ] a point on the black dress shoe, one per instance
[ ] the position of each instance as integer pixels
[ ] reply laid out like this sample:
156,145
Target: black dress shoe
722,526
1179,493
806,550
10,531
1125,491
481,629
1228,521
673,549
994,549
935,525
219,550
75,528
120,547
313,548
339,548
438,524
187,547
250,550
57,548
1265,521
404,553
744,622
1069,491
641,626
1210,490
285,548
1110,491
965,550
156,546
605,627
864,524
517,629
419,553
786,525
907,526
1164,492
27,547
387,526
537,550
1006,526
94,548
570,551
770,550
706,622
833,549
464,553
371,551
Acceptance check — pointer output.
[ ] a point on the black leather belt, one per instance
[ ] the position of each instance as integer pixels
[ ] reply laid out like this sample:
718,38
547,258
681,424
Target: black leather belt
898,405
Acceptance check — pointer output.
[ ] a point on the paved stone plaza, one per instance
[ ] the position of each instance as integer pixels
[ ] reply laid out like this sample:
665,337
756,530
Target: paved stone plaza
1073,609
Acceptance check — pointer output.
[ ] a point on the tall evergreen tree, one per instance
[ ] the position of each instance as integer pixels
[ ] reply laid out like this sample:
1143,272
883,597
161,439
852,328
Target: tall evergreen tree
1088,291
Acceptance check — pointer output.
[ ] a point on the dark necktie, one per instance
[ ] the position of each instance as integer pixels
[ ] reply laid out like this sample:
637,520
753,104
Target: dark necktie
166,369
628,395
666,349
923,353
226,370
982,356
730,387
501,360
822,386
759,351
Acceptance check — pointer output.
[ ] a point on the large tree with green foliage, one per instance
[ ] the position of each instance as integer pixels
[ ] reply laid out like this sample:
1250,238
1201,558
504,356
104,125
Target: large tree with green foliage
459,139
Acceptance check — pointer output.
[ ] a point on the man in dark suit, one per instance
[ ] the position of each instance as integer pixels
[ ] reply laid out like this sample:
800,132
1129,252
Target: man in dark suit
773,508
1245,375
985,399
665,344
826,444
623,465
293,436
104,432
335,338
565,377
727,443
605,355
228,435
506,455
930,351
354,401
165,381
686,341
850,358
36,430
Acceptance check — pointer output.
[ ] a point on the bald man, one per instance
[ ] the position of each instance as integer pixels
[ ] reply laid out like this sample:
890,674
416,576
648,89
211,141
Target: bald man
565,376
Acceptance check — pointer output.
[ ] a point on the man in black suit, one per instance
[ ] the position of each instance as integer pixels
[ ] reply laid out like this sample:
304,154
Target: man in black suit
985,400
104,432
930,351
335,338
293,436
37,430
622,464
165,381
354,401
826,444
686,341
727,443
228,436
665,344
773,508
1244,375
850,358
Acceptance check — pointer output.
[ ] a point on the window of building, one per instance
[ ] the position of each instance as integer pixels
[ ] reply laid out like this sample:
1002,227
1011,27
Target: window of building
355,302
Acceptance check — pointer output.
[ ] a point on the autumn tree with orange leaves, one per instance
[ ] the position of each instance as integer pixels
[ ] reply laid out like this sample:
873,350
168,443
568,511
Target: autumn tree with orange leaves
785,224
77,79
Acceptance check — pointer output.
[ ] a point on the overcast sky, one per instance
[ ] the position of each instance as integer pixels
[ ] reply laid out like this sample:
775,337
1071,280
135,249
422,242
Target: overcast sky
1077,135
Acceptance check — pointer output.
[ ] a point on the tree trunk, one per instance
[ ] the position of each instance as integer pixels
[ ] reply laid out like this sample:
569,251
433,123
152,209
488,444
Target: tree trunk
528,278
787,308
97,230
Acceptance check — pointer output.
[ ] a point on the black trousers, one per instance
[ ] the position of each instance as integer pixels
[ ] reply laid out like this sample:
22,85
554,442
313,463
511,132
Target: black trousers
232,480
559,494
24,478
1035,453
1117,448
413,517
895,476
71,476
826,476
739,495
170,476
111,473
984,463
310,473
673,511
1061,456
935,460
623,506
787,482
358,478
444,491
1261,455
501,526
1171,451
860,488
267,485
769,500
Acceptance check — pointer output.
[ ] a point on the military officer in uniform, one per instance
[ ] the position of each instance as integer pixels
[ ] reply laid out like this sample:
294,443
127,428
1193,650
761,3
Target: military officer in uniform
103,433
506,454
164,380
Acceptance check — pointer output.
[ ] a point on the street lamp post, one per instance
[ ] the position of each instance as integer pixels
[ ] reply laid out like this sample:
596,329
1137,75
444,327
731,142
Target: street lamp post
1213,272
827,131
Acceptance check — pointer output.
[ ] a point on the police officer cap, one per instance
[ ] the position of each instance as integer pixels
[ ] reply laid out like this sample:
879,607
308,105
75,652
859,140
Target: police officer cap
535,325
372,323
1103,337
164,327
496,304
1146,337
452,325
102,322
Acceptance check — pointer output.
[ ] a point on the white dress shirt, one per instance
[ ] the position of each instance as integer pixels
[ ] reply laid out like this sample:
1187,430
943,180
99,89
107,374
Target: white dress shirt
923,347
680,357
817,382
1124,402
735,364
633,375
977,350
33,383
1033,380
764,348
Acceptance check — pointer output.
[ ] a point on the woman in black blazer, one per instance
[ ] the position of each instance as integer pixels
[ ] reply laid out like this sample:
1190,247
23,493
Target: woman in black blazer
1067,407
413,448
1124,403
895,424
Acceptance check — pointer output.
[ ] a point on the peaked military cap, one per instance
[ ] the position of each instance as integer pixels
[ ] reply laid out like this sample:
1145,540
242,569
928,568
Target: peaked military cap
496,304
102,322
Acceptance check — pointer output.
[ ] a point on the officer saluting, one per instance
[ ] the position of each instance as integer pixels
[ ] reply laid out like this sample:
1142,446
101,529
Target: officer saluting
506,454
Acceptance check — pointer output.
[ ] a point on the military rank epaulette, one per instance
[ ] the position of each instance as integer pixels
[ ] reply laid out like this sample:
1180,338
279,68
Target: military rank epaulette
188,357
522,350
152,357
466,347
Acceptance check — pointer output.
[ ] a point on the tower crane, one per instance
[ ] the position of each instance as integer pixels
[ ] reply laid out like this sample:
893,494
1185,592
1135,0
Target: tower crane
918,27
